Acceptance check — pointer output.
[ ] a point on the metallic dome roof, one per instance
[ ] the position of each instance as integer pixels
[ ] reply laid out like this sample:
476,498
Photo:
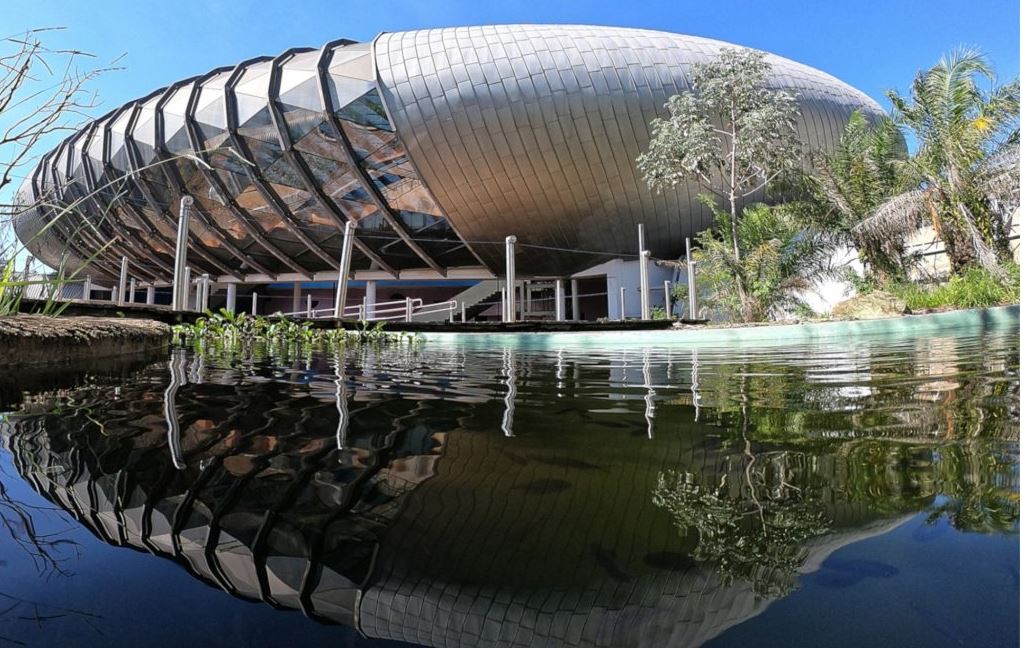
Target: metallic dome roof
437,142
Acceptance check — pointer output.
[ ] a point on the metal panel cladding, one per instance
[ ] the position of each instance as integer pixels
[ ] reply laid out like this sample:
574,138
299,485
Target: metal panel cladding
533,130
437,143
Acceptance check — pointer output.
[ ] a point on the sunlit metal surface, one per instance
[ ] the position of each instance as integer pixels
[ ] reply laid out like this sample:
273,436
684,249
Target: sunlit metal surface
438,143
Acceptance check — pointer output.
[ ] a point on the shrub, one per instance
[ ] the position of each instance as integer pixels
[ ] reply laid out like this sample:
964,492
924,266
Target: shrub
975,288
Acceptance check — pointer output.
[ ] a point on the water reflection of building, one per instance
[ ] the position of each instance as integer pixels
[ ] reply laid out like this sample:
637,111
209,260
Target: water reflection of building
427,524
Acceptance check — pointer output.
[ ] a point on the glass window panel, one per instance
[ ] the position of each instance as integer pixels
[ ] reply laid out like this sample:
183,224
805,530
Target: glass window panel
210,203
302,93
300,122
282,172
345,89
367,110
261,152
254,119
408,194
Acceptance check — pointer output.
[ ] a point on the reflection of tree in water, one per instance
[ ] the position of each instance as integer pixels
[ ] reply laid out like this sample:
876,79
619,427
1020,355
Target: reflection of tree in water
758,535
975,499
913,434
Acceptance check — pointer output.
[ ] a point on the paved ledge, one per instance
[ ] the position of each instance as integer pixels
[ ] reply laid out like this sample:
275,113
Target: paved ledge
34,340
959,322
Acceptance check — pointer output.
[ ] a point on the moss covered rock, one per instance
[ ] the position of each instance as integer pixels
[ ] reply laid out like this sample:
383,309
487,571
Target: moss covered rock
870,306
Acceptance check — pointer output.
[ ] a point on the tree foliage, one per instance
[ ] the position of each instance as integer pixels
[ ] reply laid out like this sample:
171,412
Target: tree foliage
863,172
967,165
730,132
780,258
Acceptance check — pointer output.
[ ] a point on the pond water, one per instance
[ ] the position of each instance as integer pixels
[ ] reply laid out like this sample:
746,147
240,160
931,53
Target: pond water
844,493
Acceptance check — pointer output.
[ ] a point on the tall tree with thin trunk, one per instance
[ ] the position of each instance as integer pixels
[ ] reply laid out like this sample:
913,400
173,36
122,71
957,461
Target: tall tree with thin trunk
729,132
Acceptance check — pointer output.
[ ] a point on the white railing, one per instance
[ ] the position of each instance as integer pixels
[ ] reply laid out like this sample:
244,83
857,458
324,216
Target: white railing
398,310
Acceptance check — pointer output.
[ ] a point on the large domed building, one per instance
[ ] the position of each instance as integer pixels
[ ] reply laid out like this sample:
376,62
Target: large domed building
438,143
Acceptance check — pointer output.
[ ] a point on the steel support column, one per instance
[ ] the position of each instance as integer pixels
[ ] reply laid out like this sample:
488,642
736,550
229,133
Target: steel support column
344,270
232,297
574,300
509,271
559,300
370,299
179,298
691,272
122,283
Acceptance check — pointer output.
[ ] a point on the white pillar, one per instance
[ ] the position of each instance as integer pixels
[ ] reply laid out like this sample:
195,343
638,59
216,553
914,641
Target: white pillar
204,285
86,287
232,297
622,303
370,299
408,309
692,310
644,285
462,312
198,294
559,300
296,296
255,304
131,291
150,295
122,283
308,305
344,270
179,298
509,271
186,289
574,300
667,298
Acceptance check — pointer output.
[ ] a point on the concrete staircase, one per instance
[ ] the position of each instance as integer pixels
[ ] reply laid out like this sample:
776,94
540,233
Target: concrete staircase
470,297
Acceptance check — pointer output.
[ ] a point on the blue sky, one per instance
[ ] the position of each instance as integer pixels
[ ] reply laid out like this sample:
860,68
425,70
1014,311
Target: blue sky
871,45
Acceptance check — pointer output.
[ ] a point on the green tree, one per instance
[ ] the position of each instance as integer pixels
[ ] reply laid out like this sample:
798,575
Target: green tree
849,184
967,164
779,258
730,133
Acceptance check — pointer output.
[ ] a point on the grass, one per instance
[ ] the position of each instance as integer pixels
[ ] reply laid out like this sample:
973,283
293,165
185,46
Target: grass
976,288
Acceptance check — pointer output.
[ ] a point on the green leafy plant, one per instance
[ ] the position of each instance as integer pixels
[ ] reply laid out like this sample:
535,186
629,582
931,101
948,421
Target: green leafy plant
974,288
780,259
733,135
965,171
229,331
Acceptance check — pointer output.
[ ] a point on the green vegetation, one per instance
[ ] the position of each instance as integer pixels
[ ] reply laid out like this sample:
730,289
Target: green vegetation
759,535
228,331
779,259
848,187
974,288
735,137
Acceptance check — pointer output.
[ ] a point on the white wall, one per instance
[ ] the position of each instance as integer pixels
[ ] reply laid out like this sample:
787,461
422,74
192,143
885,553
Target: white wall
626,273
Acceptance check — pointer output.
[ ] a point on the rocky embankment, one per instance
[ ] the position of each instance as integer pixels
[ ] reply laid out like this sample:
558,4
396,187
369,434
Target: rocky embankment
34,340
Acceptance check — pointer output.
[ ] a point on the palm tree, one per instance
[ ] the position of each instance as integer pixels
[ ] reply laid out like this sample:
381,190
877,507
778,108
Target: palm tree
849,184
780,260
967,164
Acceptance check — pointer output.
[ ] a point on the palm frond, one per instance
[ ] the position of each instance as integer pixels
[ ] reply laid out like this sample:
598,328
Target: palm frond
997,178
894,218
